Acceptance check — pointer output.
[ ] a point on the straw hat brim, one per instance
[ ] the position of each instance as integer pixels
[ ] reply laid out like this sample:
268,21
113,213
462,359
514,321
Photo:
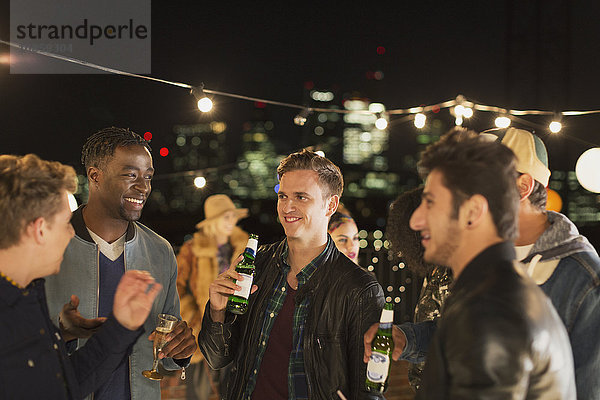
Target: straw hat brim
240,213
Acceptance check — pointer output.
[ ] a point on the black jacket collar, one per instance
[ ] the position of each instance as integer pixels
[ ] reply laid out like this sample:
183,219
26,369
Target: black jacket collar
81,229
502,253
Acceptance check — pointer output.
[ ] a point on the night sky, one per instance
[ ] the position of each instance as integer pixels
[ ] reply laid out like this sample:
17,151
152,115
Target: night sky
537,55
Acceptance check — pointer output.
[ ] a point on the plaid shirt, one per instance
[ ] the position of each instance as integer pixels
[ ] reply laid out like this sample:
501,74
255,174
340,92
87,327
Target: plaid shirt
297,383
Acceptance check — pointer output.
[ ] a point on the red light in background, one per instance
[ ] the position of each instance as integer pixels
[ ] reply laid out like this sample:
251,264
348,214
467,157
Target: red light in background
380,50
370,75
435,109
309,85
164,151
259,104
148,136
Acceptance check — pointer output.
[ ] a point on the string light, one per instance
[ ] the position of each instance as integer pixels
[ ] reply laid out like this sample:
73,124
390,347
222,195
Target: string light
420,120
466,108
502,121
300,119
555,126
380,123
204,103
200,182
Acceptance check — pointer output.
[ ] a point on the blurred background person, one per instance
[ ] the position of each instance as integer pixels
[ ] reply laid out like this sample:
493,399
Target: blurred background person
211,251
406,243
344,232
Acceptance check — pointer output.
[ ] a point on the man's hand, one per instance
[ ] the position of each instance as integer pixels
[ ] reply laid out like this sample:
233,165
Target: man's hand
181,343
72,325
397,336
134,297
223,287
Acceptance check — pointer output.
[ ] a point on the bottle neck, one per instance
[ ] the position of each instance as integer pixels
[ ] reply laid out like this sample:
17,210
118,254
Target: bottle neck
385,329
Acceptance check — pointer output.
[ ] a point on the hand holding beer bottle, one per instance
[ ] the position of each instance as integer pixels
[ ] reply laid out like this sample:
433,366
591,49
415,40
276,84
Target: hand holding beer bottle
234,283
378,368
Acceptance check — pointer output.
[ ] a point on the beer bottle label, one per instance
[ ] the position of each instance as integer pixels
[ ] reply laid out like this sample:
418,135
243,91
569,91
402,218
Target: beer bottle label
378,367
245,285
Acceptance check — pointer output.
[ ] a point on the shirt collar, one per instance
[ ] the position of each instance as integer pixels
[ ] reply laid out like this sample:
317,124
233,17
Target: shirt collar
11,293
308,270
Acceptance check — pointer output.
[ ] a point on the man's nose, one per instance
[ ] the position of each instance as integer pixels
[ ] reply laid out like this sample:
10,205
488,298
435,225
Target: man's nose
417,219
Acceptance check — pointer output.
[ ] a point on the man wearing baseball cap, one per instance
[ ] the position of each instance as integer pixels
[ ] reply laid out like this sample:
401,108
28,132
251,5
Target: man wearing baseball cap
560,260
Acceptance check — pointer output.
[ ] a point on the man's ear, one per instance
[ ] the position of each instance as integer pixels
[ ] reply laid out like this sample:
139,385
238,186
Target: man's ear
36,230
525,185
332,204
93,174
474,210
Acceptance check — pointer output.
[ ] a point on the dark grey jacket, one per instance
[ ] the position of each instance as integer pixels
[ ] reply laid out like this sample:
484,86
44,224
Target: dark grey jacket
499,337
345,301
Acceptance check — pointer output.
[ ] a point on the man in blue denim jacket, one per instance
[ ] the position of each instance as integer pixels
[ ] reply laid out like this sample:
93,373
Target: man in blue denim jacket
560,260
109,241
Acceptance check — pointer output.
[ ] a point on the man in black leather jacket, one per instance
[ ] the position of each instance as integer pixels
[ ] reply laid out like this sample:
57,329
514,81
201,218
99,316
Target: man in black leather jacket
499,336
302,334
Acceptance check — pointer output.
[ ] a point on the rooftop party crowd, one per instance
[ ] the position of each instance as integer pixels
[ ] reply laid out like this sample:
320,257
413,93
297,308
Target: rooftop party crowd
96,305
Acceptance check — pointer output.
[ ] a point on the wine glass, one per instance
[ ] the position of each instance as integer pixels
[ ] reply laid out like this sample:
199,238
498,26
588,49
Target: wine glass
164,326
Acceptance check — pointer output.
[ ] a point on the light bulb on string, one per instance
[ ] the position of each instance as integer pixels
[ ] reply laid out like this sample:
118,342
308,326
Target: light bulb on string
555,126
468,112
200,182
300,118
204,103
502,121
420,120
380,123
458,121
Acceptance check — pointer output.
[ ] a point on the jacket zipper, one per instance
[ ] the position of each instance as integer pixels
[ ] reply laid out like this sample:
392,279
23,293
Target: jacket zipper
129,357
97,291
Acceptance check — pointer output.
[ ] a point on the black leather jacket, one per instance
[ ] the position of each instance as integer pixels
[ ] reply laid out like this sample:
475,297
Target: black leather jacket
344,301
499,337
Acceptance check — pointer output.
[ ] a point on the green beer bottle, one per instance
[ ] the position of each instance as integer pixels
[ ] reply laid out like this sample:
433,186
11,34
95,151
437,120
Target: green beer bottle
238,302
378,368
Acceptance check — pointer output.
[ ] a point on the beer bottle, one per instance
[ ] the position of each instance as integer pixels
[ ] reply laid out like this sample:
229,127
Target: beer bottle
382,346
238,301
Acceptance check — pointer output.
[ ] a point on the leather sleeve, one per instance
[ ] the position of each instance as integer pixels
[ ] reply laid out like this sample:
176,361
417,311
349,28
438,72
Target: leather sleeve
367,310
215,339
484,348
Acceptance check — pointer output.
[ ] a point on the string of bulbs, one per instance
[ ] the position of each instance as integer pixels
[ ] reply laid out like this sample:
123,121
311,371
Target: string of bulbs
460,107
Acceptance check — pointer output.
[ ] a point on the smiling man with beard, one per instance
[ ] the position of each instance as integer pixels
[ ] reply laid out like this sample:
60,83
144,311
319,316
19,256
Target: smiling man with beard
499,335
109,241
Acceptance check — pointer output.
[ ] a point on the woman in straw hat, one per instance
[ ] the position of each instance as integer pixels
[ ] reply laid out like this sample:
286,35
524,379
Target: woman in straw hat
211,250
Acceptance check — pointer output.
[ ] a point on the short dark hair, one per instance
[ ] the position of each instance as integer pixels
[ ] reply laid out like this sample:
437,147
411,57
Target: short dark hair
30,188
102,144
471,165
330,176
404,242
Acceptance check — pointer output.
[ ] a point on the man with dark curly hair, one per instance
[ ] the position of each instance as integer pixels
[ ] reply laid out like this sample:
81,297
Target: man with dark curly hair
406,243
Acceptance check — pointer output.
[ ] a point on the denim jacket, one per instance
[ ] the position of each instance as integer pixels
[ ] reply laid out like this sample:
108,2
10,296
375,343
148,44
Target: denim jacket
573,285
79,272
